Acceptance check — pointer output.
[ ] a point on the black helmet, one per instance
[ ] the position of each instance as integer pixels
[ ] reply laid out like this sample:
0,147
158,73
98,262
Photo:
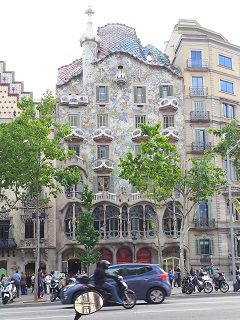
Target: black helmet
104,264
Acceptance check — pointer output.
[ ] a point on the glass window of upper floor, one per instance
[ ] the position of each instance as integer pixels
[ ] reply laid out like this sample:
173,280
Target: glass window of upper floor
102,120
74,120
204,247
139,120
224,61
75,148
228,110
166,91
226,86
140,95
103,152
168,121
102,94
196,59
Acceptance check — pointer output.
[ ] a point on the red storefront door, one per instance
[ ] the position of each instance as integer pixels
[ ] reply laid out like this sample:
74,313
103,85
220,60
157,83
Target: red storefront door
124,255
106,255
144,256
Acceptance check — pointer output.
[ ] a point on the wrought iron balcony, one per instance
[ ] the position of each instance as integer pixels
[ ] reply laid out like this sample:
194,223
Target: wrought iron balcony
169,104
199,116
197,64
201,147
7,244
102,134
198,91
103,166
201,223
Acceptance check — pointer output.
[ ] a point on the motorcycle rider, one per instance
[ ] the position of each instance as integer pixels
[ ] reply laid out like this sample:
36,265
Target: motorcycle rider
100,275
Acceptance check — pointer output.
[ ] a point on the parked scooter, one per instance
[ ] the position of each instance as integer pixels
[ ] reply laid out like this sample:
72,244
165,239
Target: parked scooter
220,282
55,289
8,291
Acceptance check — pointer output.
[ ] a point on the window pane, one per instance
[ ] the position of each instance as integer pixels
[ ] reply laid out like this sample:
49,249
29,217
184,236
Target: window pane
139,120
74,120
204,247
102,120
140,95
196,58
226,86
224,110
197,82
231,111
103,183
4,229
102,94
76,148
225,61
103,152
168,121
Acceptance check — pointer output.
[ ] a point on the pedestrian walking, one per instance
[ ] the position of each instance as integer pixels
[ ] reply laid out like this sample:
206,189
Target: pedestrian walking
32,281
171,277
16,277
177,277
48,279
23,283
40,284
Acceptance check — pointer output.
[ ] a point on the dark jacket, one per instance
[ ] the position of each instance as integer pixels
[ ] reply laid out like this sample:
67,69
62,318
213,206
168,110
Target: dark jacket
100,276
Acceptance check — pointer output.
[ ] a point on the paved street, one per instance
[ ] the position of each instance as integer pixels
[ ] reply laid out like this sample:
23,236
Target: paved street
177,307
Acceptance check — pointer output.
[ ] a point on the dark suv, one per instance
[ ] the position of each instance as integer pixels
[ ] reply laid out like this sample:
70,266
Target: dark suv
148,281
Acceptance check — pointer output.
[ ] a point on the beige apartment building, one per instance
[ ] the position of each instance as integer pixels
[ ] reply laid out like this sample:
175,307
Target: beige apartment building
210,67
105,95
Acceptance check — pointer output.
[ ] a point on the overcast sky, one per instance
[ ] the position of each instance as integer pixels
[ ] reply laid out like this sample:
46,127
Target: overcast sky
39,36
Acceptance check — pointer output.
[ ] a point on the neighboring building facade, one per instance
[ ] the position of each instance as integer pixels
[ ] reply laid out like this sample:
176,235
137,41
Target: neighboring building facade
17,227
210,67
117,85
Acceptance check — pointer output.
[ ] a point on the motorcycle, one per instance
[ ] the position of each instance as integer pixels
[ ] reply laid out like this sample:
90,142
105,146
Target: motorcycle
55,289
202,284
220,283
8,291
128,296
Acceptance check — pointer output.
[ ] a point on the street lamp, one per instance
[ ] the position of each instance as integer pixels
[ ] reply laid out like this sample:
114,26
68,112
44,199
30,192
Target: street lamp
229,185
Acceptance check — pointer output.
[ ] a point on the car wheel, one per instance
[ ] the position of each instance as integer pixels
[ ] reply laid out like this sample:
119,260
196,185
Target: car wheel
155,295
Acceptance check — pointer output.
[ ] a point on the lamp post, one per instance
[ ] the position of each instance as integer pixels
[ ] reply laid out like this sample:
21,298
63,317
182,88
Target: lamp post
229,185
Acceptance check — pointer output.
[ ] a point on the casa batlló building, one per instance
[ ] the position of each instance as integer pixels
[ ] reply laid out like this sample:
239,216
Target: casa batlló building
105,95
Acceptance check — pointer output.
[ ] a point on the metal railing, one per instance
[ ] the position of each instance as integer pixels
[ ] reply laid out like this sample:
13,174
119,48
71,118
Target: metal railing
197,64
203,223
199,116
7,243
201,147
198,91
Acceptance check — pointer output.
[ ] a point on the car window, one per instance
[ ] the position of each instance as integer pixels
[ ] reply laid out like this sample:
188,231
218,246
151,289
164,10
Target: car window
137,270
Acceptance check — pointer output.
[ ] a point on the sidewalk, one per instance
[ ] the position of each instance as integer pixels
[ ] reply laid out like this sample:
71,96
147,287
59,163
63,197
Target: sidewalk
26,300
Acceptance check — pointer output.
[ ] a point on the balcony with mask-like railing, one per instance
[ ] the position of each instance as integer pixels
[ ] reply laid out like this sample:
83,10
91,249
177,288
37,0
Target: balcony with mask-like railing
168,104
102,134
204,223
197,64
103,166
137,136
199,116
76,136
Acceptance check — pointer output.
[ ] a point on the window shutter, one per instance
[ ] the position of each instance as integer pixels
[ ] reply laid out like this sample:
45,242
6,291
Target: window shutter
95,184
107,95
170,90
111,184
197,247
97,93
143,94
161,91
197,136
209,209
135,94
211,247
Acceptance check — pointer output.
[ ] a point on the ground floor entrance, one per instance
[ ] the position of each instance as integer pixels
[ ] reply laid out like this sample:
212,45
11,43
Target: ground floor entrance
73,266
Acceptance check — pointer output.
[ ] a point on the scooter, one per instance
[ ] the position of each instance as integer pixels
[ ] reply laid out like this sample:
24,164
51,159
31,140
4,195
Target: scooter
55,289
128,296
8,291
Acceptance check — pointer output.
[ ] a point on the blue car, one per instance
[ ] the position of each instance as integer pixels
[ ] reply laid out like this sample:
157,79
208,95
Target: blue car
148,281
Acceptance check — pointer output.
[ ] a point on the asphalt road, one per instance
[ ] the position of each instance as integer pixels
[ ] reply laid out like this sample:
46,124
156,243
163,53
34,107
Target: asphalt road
192,308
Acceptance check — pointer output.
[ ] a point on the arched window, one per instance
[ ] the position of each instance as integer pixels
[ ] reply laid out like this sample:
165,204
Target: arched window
98,215
172,220
136,221
150,222
112,221
70,221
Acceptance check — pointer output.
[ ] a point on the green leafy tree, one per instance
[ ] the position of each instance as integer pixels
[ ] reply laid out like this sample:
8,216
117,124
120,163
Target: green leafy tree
86,234
156,171
30,145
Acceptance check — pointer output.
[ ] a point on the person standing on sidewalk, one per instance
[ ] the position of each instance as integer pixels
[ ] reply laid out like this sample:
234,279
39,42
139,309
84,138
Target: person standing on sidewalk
48,279
23,283
40,284
16,277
